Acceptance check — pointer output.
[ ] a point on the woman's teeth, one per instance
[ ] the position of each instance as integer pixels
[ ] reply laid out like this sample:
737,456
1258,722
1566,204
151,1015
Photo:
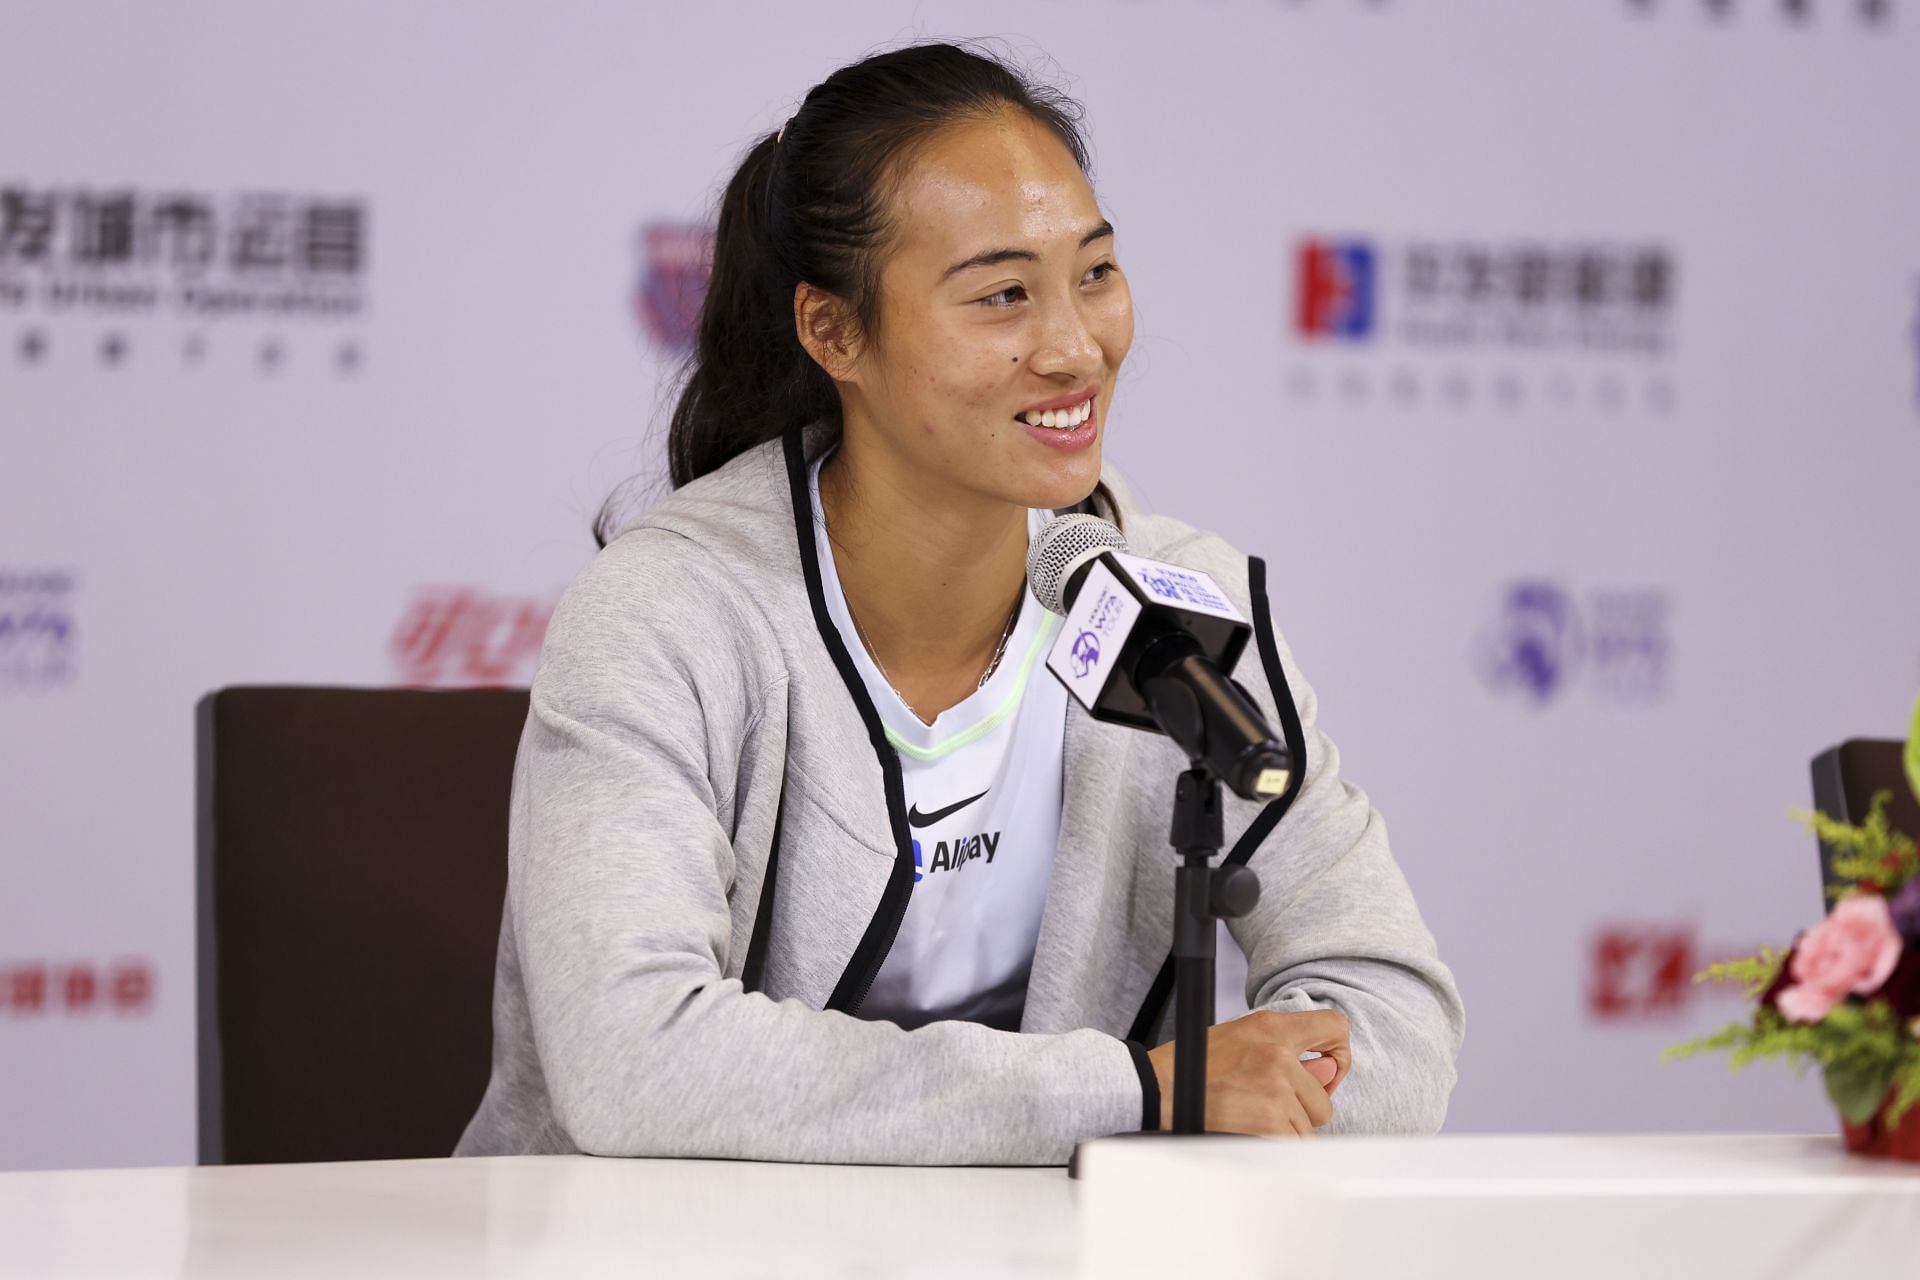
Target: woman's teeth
1064,419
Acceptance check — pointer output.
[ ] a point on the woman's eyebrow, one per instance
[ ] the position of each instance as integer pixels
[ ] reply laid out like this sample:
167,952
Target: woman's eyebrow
993,257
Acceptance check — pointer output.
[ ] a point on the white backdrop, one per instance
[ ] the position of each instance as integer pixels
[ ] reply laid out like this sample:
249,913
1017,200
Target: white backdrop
1562,359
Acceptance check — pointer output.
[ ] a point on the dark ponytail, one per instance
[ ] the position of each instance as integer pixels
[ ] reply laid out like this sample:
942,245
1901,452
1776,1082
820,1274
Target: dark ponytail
809,203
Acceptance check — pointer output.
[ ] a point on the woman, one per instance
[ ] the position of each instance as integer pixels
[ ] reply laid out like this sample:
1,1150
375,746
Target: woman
810,858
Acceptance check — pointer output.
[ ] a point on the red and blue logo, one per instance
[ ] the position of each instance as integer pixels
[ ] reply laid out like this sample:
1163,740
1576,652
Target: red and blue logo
676,259
1337,289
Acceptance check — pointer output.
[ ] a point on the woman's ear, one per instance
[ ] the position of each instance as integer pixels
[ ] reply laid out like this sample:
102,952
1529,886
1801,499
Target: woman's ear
824,324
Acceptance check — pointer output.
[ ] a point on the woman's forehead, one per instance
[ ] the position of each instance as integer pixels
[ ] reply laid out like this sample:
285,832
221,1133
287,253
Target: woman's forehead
987,183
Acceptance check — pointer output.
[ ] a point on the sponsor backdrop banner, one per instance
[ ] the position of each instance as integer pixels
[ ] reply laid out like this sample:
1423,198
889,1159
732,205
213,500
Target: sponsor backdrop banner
1562,359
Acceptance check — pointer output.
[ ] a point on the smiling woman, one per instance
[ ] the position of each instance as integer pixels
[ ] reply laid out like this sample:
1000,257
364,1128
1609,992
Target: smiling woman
793,754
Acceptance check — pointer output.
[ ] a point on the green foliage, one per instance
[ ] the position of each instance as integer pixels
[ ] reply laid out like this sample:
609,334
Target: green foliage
1913,753
1871,853
1756,972
1906,1085
1905,1090
1864,1048
1858,1088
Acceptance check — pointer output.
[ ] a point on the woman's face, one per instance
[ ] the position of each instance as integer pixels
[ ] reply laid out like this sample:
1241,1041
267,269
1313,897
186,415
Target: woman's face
999,296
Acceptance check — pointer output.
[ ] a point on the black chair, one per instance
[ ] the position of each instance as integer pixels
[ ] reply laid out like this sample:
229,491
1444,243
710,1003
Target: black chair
1844,780
352,867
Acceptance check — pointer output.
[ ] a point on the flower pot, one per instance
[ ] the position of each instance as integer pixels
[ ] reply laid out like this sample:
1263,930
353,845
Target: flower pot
1877,1138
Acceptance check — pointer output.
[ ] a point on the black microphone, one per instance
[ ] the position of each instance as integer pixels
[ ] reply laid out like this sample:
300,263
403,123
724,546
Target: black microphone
1152,645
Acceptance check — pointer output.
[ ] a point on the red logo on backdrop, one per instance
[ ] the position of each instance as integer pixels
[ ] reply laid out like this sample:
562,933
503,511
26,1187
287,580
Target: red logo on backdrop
1646,970
41,988
462,637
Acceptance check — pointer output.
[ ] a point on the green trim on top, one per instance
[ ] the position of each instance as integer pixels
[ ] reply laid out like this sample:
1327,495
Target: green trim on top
1048,626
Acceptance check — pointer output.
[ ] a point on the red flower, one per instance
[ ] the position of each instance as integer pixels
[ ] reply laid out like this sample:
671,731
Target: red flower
1902,987
1770,997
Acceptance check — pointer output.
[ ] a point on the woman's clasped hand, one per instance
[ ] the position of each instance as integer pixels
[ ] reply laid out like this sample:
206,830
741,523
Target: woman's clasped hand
1257,1082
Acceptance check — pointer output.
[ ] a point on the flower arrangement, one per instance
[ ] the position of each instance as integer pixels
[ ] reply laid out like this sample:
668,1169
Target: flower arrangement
1846,994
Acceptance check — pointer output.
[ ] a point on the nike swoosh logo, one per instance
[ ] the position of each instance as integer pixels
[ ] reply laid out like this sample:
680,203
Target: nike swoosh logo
915,818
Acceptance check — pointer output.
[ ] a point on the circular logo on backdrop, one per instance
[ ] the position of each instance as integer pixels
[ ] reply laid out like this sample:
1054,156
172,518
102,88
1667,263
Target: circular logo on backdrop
1533,643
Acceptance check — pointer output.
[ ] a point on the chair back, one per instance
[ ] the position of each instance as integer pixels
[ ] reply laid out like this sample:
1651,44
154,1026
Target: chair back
352,868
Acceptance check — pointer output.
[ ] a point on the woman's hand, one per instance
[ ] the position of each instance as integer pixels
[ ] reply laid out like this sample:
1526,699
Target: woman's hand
1256,1082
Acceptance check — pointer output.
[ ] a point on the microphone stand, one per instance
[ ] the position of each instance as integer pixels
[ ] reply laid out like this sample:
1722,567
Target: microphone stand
1202,894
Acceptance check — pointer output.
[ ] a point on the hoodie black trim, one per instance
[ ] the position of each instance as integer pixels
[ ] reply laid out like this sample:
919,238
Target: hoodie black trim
1149,1086
857,979
1269,817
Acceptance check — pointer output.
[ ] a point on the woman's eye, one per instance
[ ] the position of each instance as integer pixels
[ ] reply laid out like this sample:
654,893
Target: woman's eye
1011,294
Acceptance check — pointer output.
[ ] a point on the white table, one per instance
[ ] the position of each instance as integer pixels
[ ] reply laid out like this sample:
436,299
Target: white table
1470,1206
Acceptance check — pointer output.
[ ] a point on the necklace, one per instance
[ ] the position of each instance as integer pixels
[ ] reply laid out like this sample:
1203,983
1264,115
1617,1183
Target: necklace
992,663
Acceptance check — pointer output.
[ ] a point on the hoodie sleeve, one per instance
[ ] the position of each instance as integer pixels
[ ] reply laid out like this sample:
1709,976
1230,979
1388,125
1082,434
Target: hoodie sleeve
620,871
1336,927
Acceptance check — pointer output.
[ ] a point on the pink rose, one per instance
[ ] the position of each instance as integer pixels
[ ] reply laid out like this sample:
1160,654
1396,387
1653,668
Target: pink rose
1853,950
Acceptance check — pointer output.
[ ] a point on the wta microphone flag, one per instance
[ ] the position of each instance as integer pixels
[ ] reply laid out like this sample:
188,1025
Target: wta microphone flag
1150,644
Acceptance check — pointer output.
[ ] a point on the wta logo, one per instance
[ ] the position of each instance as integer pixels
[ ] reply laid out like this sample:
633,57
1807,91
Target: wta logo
1337,288
1086,653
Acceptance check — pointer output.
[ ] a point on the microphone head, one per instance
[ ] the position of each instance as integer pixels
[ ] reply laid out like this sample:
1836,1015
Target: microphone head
1061,547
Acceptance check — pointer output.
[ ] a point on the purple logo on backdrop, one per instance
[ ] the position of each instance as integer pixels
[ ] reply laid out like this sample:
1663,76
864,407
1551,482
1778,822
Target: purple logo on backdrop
675,261
1541,642
1534,642
37,634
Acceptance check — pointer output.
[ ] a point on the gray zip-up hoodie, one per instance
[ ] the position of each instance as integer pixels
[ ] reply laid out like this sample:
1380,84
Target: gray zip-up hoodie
709,856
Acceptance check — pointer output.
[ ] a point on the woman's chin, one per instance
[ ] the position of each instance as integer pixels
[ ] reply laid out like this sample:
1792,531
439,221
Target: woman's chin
1068,480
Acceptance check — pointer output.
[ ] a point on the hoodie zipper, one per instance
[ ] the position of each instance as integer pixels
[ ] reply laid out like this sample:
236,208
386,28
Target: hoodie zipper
871,952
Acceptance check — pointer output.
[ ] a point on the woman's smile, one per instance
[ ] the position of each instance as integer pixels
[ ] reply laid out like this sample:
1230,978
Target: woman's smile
1071,428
